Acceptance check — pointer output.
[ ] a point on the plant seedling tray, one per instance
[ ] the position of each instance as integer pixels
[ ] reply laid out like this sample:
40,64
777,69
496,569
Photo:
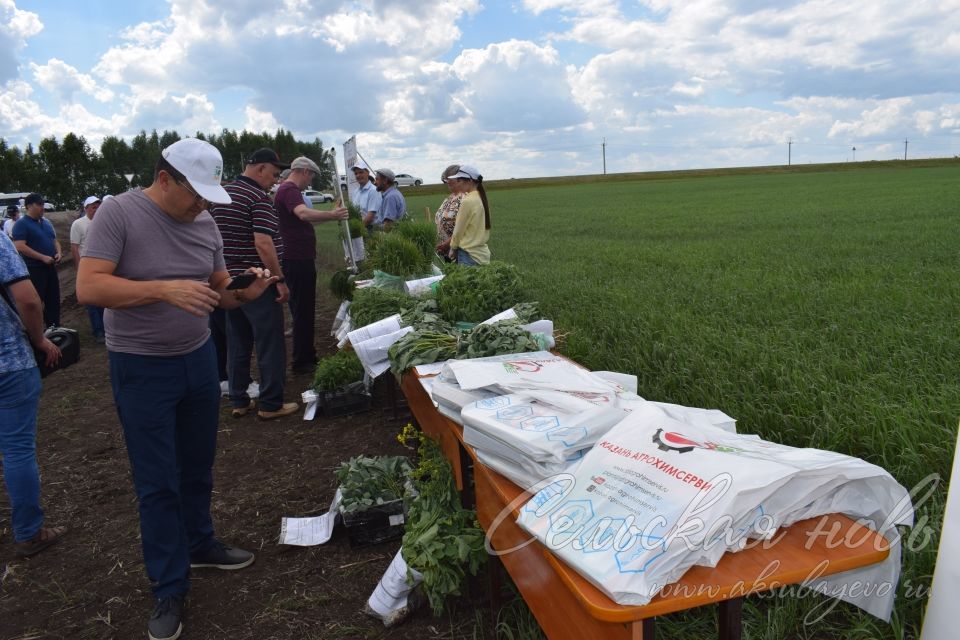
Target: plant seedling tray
352,398
380,523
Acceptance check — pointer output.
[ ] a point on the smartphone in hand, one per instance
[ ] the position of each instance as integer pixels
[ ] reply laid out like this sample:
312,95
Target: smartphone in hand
242,281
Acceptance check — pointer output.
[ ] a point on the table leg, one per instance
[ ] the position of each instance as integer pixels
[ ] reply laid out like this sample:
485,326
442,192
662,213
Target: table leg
495,574
730,622
468,495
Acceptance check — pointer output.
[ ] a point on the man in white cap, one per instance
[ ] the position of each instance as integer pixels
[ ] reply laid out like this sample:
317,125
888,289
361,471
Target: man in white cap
78,234
392,207
366,196
154,259
299,256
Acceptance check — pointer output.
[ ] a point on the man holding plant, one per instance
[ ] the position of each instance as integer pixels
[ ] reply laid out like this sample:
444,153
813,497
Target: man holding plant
296,222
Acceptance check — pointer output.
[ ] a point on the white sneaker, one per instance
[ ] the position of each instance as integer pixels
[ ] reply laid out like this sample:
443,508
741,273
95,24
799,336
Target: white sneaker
254,390
224,388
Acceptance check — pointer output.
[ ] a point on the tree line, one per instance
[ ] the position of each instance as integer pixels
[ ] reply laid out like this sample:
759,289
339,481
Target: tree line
66,172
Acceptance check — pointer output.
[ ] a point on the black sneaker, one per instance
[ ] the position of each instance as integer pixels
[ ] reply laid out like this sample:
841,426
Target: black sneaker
165,622
220,556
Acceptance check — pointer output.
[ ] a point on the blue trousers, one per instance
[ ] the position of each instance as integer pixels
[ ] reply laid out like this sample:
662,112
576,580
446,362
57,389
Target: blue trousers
96,320
169,408
258,322
19,398
465,258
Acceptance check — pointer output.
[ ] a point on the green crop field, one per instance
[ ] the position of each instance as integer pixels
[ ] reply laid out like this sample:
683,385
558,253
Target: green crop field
818,308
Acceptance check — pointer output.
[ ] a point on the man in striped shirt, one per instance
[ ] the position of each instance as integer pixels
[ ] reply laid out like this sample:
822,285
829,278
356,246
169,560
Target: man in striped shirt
251,238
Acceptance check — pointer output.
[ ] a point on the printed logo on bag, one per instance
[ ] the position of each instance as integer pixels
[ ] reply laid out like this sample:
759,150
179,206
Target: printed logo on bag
673,441
525,366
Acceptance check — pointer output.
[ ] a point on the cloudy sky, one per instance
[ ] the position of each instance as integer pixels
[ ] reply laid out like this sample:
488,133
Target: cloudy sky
519,88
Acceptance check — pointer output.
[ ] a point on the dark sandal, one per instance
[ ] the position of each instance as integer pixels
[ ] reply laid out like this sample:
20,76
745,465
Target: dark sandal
45,537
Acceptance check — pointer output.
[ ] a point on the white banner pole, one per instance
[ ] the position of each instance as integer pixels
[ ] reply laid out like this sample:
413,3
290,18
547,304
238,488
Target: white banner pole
346,223
940,619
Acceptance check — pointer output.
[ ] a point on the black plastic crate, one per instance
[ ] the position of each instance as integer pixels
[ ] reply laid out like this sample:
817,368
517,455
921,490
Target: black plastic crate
352,398
381,523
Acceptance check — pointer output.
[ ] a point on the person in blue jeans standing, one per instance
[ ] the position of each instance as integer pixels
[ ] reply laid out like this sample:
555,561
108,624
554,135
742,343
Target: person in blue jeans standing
36,240
21,324
154,259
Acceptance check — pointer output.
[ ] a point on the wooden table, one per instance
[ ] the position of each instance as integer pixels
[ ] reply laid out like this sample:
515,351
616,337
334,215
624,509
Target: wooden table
568,607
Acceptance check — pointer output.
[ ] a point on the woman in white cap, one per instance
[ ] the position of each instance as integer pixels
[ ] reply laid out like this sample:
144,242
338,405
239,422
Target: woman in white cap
446,216
468,242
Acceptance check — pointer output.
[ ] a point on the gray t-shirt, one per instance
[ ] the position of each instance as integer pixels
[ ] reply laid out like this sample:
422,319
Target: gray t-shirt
147,244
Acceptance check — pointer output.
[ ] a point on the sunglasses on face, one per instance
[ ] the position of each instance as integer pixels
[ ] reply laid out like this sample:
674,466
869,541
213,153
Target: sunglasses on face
197,198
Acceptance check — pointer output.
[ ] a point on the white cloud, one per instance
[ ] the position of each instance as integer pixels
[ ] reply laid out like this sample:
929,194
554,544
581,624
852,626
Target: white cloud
516,86
16,26
669,83
259,121
884,117
64,81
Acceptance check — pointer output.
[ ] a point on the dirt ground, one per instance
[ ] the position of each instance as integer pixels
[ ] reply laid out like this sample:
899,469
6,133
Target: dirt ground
93,584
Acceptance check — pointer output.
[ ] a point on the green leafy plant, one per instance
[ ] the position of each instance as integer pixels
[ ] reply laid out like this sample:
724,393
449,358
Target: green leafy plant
369,481
373,303
442,540
357,230
527,312
398,256
422,233
423,313
473,294
337,370
341,285
421,347
495,339
355,214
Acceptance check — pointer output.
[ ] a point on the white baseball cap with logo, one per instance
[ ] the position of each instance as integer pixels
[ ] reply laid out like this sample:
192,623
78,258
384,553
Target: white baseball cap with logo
90,200
202,165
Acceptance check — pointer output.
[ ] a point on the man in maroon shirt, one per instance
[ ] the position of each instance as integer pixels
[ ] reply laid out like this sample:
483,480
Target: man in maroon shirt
299,253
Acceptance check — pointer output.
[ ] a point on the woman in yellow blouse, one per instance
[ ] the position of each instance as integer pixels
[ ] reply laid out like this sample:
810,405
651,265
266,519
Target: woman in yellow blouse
468,242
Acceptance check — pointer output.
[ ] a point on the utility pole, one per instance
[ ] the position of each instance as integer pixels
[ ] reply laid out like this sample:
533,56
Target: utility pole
789,150
854,154
905,142
604,149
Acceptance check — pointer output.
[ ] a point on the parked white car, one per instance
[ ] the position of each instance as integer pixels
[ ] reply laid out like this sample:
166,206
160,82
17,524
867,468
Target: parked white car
407,180
316,197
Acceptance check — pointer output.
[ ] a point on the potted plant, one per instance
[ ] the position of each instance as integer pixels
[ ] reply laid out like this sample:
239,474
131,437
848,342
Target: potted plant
338,382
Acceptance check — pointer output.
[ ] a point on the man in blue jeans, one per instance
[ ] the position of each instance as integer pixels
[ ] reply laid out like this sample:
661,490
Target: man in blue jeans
154,259
36,240
251,239
19,398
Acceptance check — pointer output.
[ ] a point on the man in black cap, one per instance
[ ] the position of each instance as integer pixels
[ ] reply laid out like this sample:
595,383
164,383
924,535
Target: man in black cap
36,240
251,238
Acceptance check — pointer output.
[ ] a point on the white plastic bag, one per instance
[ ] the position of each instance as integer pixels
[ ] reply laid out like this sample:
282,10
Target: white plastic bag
538,430
656,496
390,599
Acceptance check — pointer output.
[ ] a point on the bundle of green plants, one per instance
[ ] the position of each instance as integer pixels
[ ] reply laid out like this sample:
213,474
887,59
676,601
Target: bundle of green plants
422,347
357,228
337,370
369,481
341,285
424,314
355,214
398,256
422,233
527,312
373,303
425,346
442,540
473,294
495,339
